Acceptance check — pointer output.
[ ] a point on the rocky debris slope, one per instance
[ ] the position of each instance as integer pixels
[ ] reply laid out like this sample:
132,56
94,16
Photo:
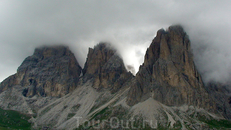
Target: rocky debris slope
168,73
50,71
79,108
105,68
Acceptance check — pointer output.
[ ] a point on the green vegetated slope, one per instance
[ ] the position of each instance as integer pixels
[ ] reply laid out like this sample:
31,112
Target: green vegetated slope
13,120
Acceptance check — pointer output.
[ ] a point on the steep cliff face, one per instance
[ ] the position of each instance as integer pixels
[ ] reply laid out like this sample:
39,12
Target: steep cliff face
50,71
105,68
168,73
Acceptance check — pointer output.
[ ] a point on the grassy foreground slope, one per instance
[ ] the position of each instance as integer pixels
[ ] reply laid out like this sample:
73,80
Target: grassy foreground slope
13,120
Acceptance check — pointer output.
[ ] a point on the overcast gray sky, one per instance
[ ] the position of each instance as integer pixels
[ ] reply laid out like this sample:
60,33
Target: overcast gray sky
129,25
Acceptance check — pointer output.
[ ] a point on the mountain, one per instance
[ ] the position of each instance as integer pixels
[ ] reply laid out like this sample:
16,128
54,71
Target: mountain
168,73
105,68
50,71
166,93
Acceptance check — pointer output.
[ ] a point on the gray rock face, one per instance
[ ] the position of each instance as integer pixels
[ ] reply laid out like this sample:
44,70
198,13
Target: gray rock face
50,71
105,68
221,94
168,73
9,82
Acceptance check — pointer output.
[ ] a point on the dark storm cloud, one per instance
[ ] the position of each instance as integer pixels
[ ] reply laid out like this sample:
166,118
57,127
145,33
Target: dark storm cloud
129,25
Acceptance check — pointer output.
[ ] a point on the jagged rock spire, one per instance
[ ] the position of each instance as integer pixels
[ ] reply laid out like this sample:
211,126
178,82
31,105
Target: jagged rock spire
168,73
105,67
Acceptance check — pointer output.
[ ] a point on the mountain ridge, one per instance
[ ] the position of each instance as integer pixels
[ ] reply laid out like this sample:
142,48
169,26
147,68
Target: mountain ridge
51,85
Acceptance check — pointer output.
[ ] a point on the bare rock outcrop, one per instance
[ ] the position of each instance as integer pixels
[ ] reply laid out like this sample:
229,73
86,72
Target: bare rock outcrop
168,73
50,71
105,68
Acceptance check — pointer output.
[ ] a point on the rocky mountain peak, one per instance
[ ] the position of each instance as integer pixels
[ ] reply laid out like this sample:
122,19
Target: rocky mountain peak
50,71
105,67
168,73
172,47
97,57
171,43
49,51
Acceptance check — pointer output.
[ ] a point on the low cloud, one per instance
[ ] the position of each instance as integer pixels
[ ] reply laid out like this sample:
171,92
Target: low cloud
129,25
131,69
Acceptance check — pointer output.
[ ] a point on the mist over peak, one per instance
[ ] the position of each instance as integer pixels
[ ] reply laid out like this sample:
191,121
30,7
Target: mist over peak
130,26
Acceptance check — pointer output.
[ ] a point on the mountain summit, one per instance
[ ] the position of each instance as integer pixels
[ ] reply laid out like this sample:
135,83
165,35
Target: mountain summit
168,73
50,71
105,68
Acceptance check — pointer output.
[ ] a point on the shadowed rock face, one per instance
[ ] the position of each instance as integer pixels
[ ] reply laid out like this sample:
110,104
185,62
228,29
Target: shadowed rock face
221,94
105,68
168,73
50,71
